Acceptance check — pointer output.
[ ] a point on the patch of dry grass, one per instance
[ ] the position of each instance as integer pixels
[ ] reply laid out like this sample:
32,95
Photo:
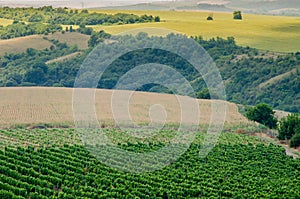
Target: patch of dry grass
71,38
20,44
35,105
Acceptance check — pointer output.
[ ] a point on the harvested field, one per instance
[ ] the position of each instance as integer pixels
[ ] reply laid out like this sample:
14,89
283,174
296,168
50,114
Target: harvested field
36,105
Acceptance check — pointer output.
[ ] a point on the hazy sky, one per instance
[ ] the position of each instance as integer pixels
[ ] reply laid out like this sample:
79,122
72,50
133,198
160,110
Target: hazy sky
87,3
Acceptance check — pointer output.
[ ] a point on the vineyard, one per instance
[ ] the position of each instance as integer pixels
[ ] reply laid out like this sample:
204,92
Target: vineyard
54,164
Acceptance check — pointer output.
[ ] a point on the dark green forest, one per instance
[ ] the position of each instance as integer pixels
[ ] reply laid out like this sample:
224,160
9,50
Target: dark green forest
244,70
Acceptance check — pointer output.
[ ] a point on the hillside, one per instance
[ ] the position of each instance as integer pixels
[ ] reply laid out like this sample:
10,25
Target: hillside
271,33
251,76
54,106
62,139
274,7
41,42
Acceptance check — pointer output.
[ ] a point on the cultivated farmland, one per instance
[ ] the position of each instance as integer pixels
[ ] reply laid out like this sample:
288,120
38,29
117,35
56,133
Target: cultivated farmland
274,33
244,167
28,105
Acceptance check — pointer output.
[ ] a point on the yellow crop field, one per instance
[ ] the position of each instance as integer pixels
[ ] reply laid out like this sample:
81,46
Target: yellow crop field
274,33
35,105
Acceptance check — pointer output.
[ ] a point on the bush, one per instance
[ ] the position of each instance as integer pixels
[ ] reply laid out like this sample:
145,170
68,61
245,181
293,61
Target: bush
288,126
295,141
203,94
237,15
264,114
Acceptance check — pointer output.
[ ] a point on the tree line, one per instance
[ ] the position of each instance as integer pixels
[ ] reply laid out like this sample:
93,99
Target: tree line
65,16
45,20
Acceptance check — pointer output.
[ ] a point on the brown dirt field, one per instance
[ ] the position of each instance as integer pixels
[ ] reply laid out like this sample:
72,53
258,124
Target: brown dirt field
35,105
20,44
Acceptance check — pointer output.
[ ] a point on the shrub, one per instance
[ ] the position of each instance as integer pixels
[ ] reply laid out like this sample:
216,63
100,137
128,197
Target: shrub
203,94
295,140
237,15
288,126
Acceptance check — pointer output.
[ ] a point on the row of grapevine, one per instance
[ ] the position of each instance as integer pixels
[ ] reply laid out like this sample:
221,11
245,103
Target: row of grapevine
235,170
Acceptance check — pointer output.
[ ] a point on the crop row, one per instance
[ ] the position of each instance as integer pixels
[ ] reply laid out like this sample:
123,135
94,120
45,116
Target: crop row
70,171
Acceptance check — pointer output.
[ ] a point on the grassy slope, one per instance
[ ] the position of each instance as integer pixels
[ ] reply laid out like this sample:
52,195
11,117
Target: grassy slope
275,33
71,39
37,42
20,44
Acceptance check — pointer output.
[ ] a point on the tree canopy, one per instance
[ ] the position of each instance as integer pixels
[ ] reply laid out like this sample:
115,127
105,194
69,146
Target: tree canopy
264,114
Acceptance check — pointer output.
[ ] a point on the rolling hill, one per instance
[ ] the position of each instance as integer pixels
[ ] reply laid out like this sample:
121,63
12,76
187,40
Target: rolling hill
274,7
21,44
39,105
273,33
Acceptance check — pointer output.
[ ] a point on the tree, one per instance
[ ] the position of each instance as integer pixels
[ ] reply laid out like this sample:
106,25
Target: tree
96,38
157,19
35,75
288,127
85,11
237,15
210,17
264,114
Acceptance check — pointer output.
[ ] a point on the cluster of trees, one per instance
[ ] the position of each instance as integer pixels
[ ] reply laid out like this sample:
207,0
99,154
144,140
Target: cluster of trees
19,29
288,127
65,16
47,20
29,68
